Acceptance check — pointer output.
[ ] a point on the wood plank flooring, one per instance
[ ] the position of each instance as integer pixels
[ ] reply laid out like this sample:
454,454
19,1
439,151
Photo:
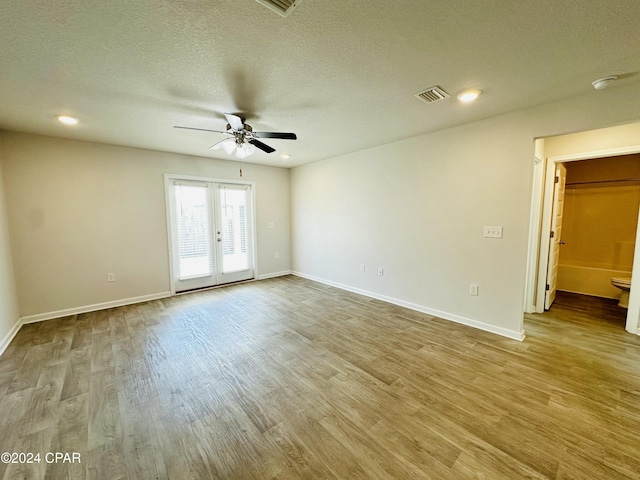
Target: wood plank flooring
290,379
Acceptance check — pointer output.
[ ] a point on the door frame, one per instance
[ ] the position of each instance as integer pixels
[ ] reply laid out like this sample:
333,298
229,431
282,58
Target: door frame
535,226
535,290
169,178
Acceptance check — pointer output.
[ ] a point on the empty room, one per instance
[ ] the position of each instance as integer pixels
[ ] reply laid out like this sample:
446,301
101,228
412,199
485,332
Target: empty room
299,239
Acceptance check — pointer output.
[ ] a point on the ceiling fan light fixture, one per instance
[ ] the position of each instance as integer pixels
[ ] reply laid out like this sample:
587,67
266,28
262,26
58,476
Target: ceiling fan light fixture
245,150
229,146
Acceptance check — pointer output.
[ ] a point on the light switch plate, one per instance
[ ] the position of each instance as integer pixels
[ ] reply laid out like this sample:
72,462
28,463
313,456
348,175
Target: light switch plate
493,232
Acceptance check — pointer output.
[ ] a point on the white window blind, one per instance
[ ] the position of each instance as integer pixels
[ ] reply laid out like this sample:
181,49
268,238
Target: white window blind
233,223
193,230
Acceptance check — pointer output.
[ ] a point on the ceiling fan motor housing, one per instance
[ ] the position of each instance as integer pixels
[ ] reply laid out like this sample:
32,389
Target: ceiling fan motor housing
244,127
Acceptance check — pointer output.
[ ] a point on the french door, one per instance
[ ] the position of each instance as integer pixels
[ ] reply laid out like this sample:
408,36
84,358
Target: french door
211,231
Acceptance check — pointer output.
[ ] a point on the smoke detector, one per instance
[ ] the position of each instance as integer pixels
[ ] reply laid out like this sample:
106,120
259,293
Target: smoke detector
601,83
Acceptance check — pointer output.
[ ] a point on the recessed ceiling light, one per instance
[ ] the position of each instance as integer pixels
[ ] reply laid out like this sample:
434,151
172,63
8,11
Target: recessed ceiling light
285,156
469,96
601,83
67,120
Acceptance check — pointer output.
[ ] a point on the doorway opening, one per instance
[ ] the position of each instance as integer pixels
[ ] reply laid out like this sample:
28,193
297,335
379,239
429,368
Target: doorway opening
210,232
580,242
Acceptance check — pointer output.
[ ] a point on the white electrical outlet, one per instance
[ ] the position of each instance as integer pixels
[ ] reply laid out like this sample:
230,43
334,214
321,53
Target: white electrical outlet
362,268
111,277
271,225
473,290
493,232
276,255
381,271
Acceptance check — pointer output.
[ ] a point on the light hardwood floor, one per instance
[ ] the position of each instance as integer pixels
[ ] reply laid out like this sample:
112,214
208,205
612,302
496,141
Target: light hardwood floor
290,379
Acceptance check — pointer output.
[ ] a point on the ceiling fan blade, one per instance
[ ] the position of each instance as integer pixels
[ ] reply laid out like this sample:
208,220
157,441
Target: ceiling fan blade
201,129
235,121
221,144
282,135
262,146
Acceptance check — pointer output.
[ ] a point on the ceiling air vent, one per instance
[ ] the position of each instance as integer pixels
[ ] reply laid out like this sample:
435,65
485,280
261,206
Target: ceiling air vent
281,7
432,94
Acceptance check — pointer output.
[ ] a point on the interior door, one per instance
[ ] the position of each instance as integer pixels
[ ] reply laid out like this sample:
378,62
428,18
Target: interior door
556,235
211,231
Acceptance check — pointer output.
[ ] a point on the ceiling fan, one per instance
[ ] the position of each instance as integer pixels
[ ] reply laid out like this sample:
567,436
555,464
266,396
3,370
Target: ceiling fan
242,137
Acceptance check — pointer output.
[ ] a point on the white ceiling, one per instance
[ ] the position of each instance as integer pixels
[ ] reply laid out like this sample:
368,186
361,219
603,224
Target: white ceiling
339,74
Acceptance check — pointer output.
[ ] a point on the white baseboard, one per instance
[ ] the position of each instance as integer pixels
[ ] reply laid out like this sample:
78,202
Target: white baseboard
273,275
92,308
4,343
513,334
114,303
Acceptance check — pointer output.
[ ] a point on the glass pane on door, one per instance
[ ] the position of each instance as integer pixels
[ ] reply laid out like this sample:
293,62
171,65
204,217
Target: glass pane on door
233,229
193,225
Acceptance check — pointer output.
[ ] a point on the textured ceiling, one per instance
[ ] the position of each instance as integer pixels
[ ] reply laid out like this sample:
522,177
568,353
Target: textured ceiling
340,74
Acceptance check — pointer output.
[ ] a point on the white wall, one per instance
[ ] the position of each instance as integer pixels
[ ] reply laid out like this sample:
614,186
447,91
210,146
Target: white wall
78,210
9,312
417,208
